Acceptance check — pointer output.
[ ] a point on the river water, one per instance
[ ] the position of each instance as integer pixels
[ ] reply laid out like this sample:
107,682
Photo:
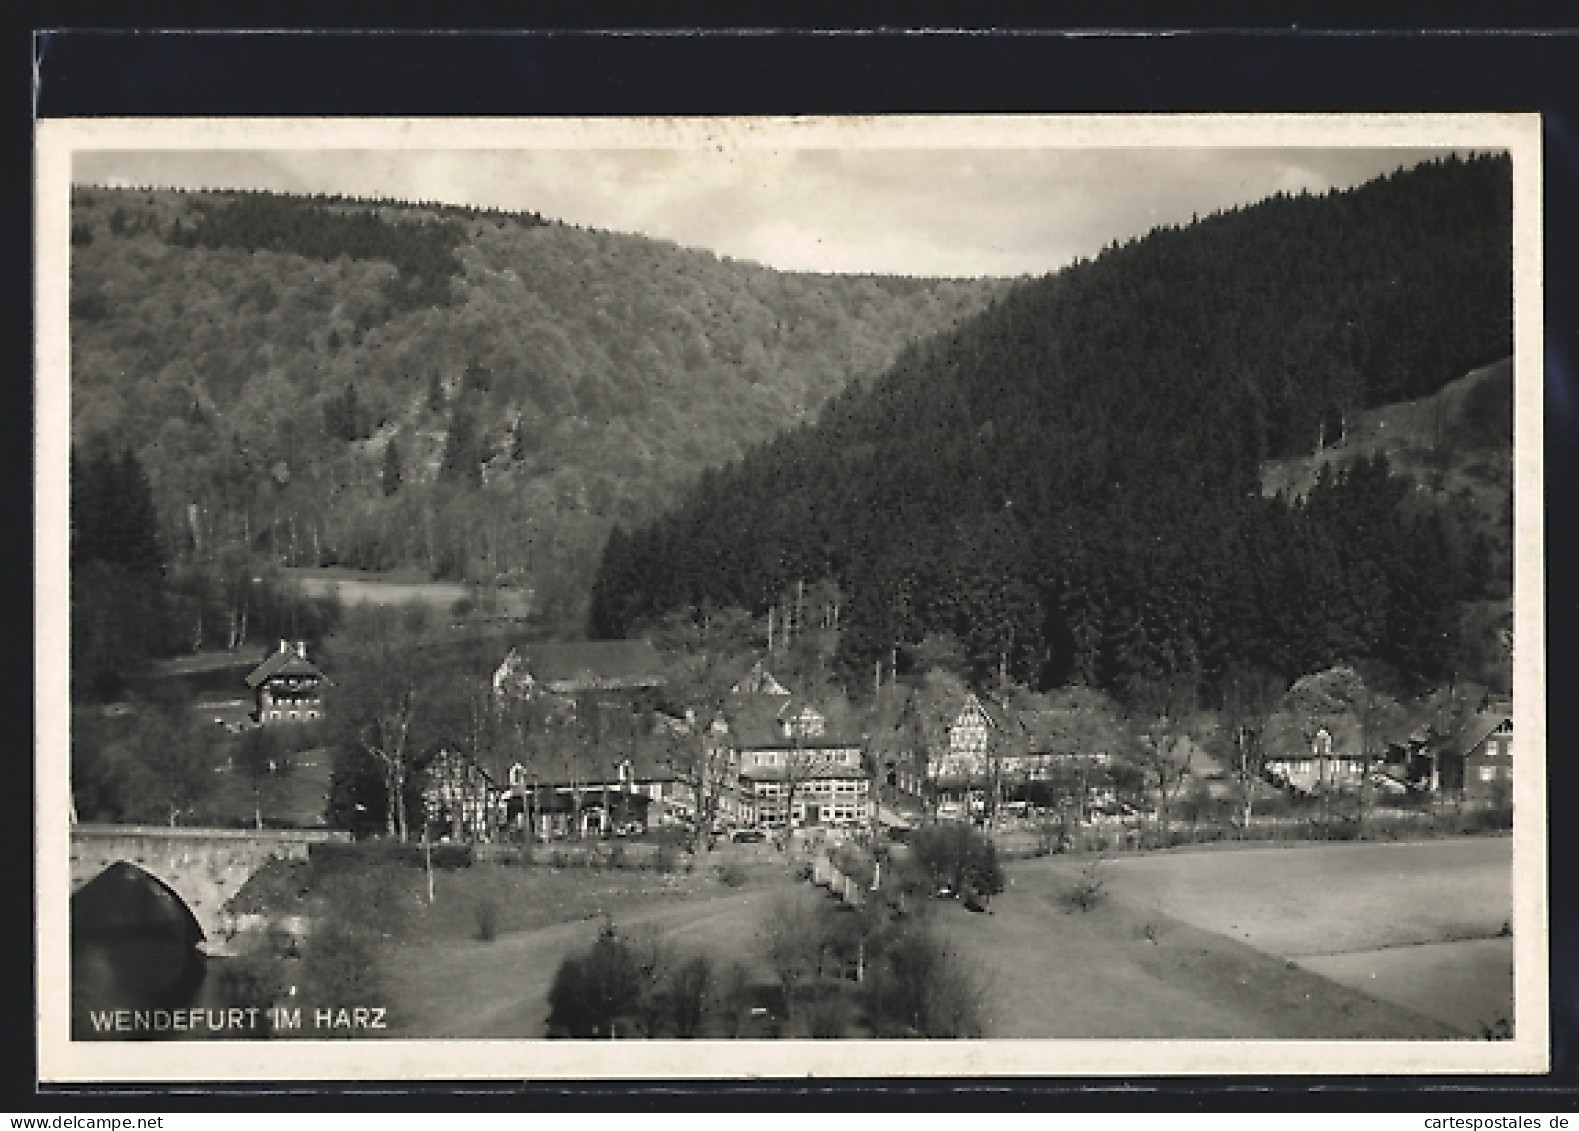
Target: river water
137,973
152,986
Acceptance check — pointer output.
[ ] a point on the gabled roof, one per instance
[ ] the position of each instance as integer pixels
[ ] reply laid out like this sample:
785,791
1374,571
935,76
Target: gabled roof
651,759
994,714
282,663
756,723
1480,727
758,681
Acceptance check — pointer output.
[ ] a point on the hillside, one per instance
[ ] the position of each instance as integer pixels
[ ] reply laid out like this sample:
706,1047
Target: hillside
1456,449
1458,442
473,394
1070,483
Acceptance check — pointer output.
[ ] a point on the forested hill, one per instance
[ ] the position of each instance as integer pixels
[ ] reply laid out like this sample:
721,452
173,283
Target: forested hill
480,395
1069,483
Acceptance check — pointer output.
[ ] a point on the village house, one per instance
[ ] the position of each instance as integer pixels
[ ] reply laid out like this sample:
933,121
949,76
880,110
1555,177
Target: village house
567,797
640,791
1333,760
959,776
565,789
613,668
1486,747
287,687
461,801
1047,764
787,768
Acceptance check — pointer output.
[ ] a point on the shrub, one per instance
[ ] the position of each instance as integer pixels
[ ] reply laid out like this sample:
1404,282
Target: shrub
732,875
956,856
377,899
339,964
687,995
486,913
732,995
594,989
1499,1030
792,934
920,988
356,855
260,974
1088,890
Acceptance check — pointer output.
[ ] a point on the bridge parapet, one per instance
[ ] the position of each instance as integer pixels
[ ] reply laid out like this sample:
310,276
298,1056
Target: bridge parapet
205,867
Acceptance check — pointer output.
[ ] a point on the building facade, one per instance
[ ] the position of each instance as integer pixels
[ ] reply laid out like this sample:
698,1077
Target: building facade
1488,757
287,687
787,769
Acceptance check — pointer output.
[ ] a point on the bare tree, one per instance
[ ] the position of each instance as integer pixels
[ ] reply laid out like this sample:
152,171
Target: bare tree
379,685
1162,713
929,716
1250,696
703,649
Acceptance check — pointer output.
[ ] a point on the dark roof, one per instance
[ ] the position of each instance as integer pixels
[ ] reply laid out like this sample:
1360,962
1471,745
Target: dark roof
648,763
623,663
1285,736
754,724
282,663
1480,727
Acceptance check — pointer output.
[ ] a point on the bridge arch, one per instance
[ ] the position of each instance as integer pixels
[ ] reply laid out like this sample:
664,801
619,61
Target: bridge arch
201,868
125,899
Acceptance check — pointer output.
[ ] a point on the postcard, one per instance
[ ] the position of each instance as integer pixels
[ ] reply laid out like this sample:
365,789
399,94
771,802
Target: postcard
778,598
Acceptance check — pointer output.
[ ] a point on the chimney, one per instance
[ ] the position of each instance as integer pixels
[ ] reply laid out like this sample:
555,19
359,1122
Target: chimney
285,645
301,648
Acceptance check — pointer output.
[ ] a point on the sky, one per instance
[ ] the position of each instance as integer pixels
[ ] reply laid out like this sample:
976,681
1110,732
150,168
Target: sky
933,212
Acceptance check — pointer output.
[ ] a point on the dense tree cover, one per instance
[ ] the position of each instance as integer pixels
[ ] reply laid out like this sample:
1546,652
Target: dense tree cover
153,767
1068,484
260,354
423,252
120,610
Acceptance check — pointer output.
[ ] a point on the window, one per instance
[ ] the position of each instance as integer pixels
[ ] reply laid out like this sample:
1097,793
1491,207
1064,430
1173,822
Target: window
1488,773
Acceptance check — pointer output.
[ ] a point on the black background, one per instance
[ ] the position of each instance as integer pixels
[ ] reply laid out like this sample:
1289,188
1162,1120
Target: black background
82,72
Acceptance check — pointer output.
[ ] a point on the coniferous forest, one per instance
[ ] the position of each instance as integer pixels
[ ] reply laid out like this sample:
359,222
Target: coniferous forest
1070,483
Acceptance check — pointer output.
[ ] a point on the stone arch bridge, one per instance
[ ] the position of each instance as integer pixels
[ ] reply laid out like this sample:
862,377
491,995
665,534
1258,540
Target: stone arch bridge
202,867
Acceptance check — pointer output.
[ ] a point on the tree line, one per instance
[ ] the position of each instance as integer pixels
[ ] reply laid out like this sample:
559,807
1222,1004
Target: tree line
423,252
1069,483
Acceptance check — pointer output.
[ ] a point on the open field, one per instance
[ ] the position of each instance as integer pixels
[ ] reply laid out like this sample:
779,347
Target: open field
1294,900
356,587
1350,941
1418,927
1479,972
